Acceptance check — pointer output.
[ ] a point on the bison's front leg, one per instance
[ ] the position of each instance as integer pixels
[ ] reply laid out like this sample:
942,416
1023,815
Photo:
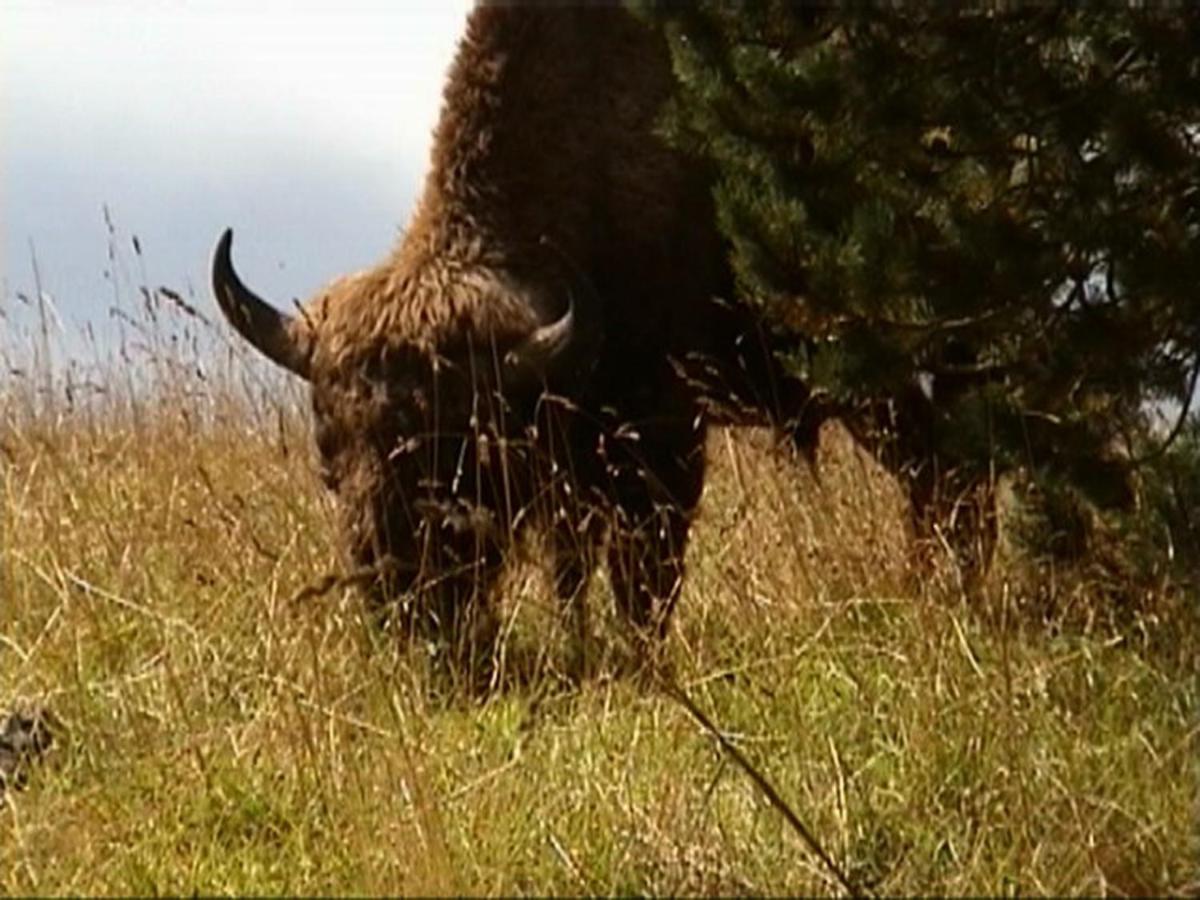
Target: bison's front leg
575,539
646,563
657,492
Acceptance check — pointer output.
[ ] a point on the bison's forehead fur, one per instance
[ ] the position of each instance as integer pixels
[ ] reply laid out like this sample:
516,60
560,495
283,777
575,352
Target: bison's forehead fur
425,305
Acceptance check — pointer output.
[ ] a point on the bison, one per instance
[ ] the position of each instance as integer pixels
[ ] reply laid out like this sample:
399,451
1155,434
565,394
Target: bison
544,347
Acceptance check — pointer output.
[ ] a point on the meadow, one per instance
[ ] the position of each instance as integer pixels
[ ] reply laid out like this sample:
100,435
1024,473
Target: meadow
221,729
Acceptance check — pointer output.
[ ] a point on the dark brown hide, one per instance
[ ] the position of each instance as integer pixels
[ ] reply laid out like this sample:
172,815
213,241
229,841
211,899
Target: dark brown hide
547,191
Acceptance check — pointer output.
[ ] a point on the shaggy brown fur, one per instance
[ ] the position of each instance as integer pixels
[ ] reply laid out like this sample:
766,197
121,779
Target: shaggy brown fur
546,132
548,190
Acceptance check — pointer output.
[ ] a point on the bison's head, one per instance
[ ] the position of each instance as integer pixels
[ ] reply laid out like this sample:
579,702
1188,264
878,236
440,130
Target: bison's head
425,446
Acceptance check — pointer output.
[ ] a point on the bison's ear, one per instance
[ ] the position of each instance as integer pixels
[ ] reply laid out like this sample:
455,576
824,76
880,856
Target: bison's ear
285,340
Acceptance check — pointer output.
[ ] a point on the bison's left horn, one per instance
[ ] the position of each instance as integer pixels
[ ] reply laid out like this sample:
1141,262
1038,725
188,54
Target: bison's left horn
284,340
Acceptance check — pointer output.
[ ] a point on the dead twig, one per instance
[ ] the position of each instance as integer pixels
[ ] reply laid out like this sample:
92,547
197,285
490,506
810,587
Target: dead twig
676,693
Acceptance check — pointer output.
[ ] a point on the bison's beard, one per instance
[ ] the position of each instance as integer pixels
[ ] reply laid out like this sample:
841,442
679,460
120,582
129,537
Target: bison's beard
431,567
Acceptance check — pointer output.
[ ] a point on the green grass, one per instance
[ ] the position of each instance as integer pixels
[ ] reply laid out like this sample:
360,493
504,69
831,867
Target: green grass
218,737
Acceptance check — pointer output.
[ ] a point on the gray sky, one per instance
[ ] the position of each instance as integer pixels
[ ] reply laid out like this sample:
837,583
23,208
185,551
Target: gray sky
304,124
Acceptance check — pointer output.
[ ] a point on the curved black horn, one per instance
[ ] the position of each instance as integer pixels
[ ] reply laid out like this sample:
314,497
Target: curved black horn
283,339
568,346
547,343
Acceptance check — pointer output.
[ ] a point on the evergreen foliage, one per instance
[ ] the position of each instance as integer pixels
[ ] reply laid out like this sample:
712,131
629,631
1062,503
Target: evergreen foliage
976,227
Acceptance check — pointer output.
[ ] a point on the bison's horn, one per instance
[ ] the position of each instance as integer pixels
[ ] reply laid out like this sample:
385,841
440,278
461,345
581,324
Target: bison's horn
567,348
546,344
282,339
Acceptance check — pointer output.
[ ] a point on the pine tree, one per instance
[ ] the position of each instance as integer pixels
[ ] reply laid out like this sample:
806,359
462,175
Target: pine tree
978,228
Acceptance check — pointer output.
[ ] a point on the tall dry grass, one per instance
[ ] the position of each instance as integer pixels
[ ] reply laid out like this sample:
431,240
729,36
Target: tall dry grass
160,511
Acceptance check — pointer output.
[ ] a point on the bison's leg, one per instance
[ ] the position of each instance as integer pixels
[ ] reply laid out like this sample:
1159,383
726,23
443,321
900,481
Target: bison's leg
575,540
571,508
574,560
656,496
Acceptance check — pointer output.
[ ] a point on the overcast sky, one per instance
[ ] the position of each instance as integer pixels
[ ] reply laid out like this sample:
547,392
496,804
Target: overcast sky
303,124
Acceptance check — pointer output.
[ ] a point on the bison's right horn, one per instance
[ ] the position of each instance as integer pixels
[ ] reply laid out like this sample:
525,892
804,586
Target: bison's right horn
550,342
283,339
567,348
